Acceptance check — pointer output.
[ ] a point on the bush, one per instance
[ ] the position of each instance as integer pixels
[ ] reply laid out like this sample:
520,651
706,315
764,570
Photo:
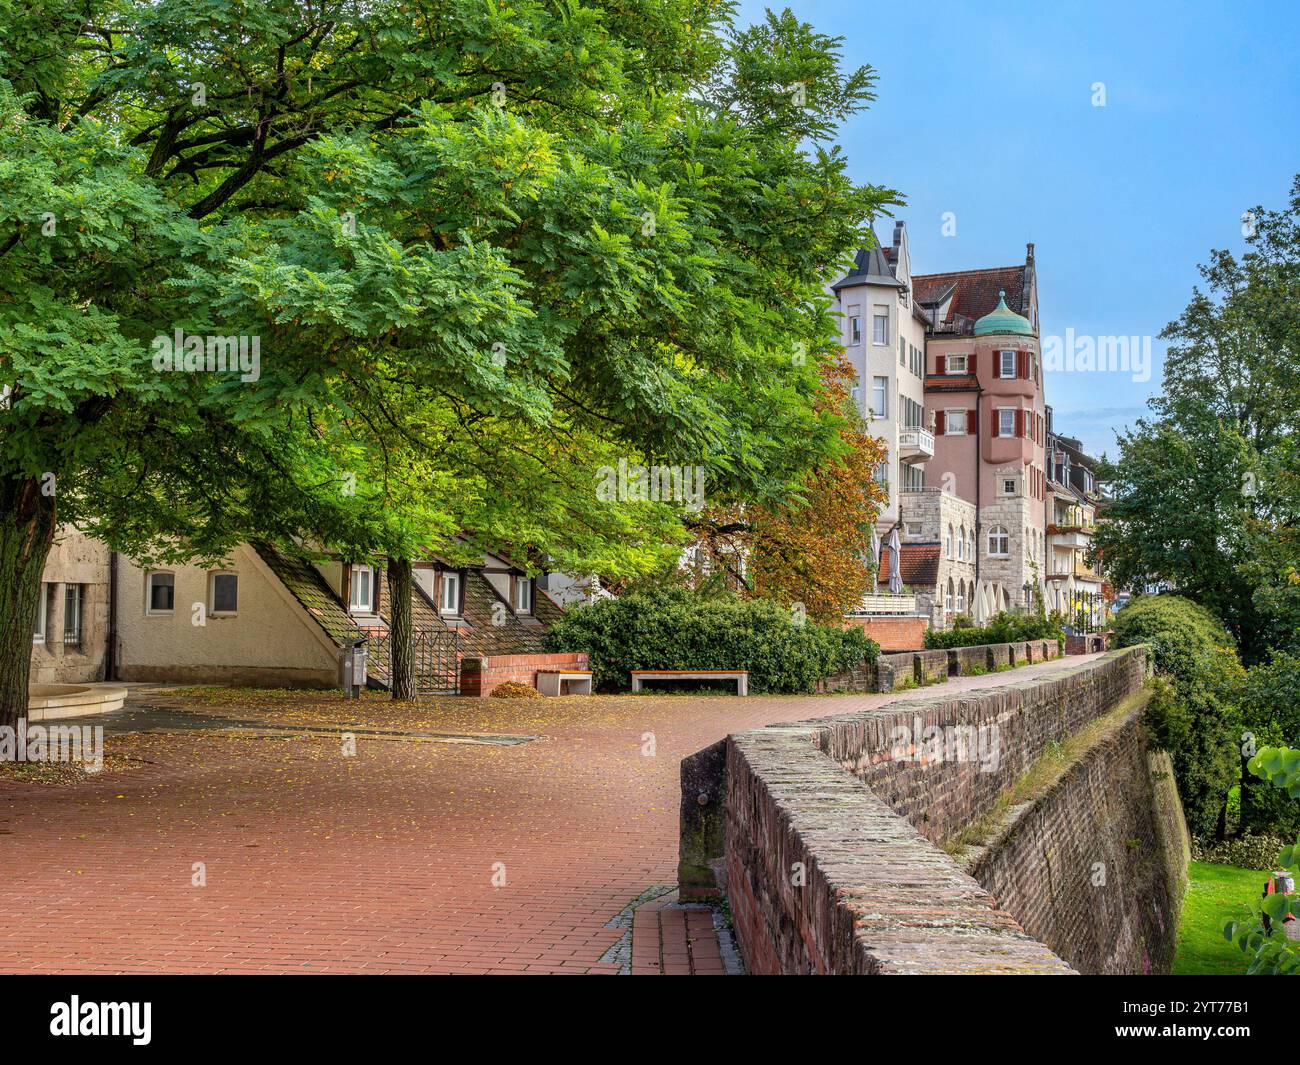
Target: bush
1002,628
1246,852
1270,709
679,629
1194,714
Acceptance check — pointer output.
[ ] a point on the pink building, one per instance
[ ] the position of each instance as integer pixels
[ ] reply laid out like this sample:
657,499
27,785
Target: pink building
984,399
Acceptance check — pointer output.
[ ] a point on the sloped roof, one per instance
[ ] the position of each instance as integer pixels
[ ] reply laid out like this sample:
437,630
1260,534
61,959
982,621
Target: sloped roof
919,564
305,583
975,292
871,266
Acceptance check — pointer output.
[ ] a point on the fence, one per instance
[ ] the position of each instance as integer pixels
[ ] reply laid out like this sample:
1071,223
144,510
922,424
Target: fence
436,654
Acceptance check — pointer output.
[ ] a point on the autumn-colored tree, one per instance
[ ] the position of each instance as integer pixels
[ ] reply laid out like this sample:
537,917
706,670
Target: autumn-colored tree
815,551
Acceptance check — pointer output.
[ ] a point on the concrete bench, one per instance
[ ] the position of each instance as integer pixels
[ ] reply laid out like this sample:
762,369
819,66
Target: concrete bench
740,676
564,681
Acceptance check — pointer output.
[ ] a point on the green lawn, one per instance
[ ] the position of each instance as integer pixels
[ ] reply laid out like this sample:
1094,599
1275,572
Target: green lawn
1215,893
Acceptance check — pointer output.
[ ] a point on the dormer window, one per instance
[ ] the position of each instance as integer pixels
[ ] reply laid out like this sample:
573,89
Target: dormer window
955,364
362,597
449,593
523,595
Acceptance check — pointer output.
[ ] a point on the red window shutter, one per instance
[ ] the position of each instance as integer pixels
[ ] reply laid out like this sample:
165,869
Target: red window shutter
1022,364
971,364
995,418
1020,422
941,366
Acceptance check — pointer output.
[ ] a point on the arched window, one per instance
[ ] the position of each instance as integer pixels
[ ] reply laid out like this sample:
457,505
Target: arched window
947,603
947,544
961,543
970,547
961,597
999,542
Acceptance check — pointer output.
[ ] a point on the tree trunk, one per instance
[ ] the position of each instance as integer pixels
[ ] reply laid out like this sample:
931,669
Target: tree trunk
27,526
400,634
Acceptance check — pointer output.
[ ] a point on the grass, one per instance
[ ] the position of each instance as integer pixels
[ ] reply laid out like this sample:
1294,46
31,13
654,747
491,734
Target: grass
1215,893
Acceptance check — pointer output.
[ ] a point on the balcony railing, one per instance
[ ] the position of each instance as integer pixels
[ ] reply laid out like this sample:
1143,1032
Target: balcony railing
914,444
887,604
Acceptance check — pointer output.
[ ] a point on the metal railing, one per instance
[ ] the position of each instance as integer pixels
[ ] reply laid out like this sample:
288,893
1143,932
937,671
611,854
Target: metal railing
436,653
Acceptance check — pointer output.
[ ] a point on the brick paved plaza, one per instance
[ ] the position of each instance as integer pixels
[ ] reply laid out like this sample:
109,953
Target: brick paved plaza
420,854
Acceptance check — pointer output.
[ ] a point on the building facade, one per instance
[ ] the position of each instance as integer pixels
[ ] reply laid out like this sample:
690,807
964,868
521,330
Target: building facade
883,333
1074,586
71,641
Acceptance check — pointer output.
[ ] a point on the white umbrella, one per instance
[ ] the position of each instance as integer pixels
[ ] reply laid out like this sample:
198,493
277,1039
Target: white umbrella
981,615
895,563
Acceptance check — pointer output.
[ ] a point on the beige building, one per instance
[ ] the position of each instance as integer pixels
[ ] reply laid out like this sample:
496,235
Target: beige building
883,333
71,640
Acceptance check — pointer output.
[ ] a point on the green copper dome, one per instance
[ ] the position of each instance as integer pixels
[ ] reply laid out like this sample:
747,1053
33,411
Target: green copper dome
1002,319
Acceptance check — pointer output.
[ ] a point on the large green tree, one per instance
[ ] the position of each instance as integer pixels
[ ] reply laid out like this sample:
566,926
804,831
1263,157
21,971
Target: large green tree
1206,491
483,248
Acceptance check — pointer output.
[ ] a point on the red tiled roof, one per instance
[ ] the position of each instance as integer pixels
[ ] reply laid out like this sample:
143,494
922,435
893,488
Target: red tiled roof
977,290
919,564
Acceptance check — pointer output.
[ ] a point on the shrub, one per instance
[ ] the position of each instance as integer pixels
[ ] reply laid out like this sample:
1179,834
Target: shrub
676,628
1194,715
513,690
1270,709
1001,628
1248,851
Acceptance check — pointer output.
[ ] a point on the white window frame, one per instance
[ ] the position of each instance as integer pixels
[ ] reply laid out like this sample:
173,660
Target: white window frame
880,327
880,389
367,607
947,599
912,530
855,329
948,416
149,608
1005,413
213,612
450,581
999,542
1002,486
1002,364
522,596
42,614
950,364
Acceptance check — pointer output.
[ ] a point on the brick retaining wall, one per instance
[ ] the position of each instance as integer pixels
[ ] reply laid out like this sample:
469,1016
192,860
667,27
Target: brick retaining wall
481,676
828,870
901,633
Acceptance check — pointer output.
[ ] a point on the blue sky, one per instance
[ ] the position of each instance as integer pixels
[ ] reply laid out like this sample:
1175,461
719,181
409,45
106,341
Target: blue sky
986,110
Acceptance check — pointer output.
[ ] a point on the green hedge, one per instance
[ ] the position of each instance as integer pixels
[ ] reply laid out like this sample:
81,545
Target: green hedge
678,629
1193,712
1270,707
1002,628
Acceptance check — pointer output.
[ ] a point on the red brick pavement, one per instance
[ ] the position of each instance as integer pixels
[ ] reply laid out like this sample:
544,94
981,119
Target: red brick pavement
409,857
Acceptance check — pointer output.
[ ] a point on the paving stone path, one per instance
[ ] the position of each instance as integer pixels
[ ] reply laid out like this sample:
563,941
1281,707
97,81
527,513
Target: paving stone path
242,836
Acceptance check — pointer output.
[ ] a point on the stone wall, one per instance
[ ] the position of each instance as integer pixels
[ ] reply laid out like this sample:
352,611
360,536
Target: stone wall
1095,867
829,833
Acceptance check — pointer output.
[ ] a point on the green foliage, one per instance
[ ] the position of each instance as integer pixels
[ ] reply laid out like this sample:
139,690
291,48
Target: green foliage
1001,628
1271,953
674,628
1270,706
1193,711
487,250
1248,850
1206,492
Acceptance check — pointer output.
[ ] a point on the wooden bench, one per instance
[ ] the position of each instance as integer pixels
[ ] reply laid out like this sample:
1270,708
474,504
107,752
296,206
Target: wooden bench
740,676
554,681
